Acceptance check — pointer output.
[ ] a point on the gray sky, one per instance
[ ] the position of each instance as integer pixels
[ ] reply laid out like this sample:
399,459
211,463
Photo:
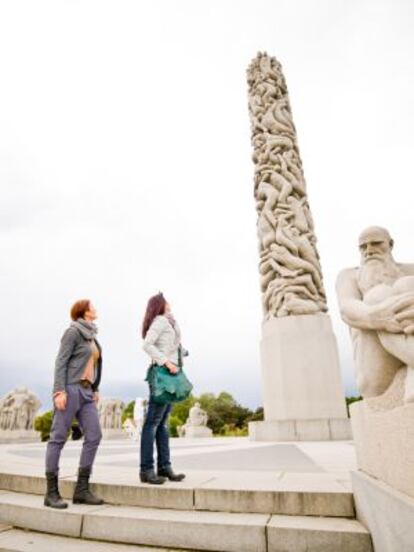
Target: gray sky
125,168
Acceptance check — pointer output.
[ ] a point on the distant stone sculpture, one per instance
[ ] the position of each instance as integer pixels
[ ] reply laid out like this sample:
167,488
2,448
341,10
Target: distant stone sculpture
196,424
130,429
197,416
110,413
291,276
133,427
18,409
377,302
140,408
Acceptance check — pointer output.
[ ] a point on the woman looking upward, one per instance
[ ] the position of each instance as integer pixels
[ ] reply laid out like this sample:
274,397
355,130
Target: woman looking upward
162,342
78,371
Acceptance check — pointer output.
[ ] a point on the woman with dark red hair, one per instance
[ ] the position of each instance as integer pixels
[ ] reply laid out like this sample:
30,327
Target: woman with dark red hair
78,370
162,342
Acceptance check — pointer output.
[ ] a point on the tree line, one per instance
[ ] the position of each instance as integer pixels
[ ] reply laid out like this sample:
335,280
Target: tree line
226,417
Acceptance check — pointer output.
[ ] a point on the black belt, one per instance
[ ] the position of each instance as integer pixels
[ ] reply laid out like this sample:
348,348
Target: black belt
85,383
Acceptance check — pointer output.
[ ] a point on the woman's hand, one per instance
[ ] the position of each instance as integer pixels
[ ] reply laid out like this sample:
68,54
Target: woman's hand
171,367
60,401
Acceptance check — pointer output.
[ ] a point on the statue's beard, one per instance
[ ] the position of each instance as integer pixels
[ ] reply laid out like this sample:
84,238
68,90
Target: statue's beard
377,271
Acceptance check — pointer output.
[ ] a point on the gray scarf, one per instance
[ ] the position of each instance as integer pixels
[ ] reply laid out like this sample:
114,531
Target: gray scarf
87,329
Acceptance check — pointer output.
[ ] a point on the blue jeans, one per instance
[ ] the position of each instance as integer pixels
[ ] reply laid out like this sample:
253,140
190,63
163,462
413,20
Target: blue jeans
155,429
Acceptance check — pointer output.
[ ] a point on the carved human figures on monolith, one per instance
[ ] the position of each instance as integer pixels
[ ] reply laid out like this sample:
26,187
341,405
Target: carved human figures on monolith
302,390
290,272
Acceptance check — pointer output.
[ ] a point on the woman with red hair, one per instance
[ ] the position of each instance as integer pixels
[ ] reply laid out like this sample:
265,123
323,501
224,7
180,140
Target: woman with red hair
78,370
162,342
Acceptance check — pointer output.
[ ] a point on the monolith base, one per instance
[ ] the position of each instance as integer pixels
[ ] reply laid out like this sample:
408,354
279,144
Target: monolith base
302,389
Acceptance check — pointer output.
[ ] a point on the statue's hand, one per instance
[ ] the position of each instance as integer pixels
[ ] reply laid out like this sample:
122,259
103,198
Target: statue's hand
405,316
394,313
406,319
392,326
409,329
402,303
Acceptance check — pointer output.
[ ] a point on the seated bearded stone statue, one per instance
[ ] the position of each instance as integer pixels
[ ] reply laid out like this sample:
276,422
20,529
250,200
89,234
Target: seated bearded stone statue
196,424
377,301
197,416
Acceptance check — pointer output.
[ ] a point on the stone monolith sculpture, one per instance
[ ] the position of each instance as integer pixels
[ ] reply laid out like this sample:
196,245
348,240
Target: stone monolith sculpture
376,300
303,397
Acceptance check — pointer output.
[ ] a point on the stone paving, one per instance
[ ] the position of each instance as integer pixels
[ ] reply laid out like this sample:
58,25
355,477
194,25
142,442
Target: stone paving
237,496
226,458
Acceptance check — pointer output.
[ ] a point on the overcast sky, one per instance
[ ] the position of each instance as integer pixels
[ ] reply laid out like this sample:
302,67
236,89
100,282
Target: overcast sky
125,168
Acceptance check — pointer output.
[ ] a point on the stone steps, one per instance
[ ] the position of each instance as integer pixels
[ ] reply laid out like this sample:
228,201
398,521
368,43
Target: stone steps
269,496
17,540
185,530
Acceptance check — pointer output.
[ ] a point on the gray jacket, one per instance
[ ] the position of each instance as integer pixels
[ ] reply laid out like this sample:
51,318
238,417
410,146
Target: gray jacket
162,341
73,355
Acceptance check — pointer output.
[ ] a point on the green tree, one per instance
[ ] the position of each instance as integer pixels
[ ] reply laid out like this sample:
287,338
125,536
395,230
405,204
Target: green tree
43,423
256,416
222,411
181,409
225,415
179,414
128,411
233,431
174,422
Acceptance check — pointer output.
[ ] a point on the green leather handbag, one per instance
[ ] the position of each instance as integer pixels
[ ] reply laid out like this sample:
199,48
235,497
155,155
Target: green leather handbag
166,387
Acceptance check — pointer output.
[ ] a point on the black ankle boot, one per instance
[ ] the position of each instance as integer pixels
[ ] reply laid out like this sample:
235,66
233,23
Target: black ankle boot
82,494
151,477
52,497
168,472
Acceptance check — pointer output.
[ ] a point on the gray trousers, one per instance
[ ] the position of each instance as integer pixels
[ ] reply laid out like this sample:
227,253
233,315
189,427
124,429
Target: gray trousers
80,405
